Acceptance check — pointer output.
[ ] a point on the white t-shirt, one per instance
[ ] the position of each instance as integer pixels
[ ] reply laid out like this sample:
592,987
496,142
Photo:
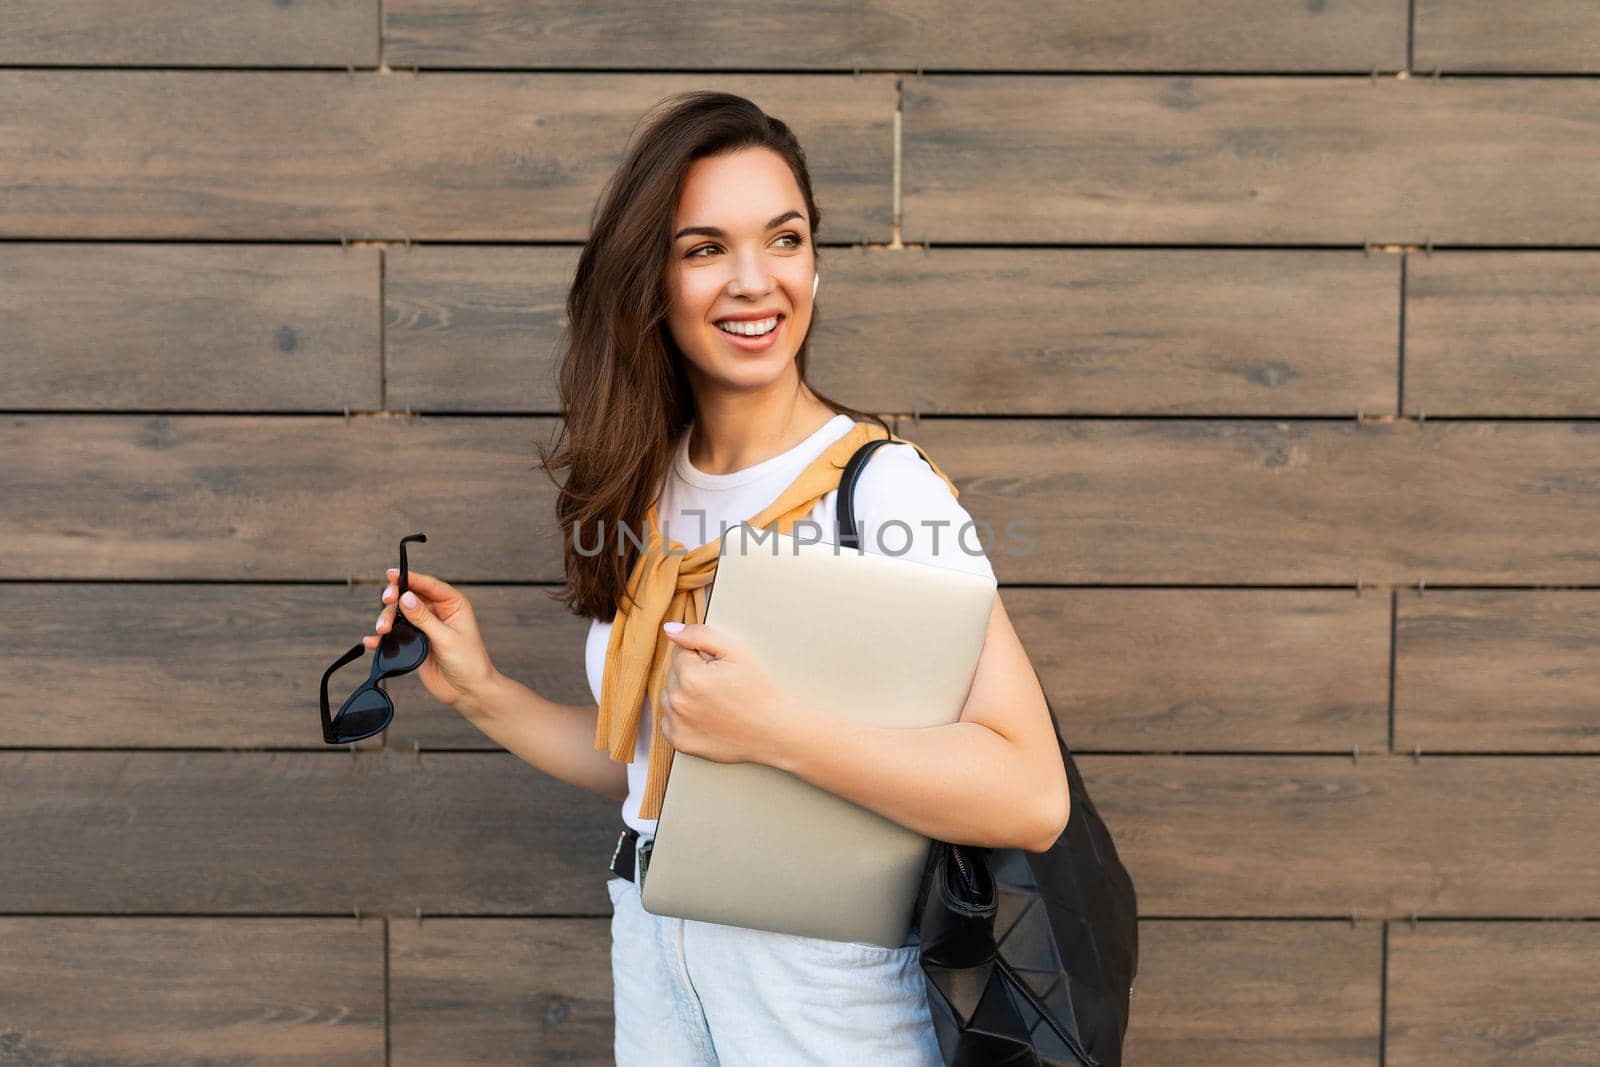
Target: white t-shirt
902,507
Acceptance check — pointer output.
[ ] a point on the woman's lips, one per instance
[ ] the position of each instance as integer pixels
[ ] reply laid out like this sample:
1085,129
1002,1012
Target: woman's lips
754,344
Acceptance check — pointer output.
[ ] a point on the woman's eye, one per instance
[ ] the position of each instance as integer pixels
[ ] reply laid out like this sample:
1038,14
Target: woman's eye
695,253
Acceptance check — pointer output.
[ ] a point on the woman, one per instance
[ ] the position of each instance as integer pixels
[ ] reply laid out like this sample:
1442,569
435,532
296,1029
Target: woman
687,411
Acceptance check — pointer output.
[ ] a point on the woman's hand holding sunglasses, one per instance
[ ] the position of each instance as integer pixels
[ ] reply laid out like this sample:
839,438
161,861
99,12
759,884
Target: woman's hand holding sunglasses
457,661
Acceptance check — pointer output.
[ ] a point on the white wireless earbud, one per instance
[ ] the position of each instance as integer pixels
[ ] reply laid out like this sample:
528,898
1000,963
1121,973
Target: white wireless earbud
815,278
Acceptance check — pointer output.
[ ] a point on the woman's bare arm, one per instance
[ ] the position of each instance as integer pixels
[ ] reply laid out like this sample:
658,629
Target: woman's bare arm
556,738
995,778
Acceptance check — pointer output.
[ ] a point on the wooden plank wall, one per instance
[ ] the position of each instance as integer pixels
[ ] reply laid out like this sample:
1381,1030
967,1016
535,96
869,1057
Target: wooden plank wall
1277,323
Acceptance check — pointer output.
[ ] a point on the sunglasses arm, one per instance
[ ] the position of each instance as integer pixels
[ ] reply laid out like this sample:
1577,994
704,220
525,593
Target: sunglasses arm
327,717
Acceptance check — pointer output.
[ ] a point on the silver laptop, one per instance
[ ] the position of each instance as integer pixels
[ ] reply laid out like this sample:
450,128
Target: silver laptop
879,639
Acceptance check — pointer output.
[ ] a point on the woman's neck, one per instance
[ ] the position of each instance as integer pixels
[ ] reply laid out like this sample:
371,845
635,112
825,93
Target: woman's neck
734,436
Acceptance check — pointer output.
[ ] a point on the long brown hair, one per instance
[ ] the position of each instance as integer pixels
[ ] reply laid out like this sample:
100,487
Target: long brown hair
624,392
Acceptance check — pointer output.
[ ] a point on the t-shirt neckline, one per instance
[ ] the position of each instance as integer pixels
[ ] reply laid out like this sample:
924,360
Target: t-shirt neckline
701,480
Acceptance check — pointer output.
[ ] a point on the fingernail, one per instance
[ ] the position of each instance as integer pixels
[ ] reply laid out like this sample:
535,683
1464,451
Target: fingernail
672,627
387,591
379,623
410,599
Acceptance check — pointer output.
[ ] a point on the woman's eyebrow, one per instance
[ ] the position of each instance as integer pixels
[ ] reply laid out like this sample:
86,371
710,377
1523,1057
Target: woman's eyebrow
712,231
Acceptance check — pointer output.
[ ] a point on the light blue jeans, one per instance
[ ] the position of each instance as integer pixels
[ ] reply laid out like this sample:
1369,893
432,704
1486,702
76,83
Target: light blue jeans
697,994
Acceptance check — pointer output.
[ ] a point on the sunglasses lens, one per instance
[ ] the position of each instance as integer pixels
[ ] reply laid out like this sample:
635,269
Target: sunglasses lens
402,649
369,712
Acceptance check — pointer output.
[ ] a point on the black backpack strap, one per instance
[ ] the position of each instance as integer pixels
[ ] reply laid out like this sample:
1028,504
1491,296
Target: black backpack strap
845,512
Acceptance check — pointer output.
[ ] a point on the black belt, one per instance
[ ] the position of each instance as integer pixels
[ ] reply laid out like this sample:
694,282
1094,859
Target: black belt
622,856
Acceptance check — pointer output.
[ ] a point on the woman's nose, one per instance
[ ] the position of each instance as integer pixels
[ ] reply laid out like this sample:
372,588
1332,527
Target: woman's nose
754,278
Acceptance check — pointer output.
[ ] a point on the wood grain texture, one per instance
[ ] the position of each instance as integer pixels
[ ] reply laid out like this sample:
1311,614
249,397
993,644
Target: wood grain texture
286,833
1195,670
500,991
1495,334
1484,994
991,35
319,156
475,328
1538,36
1335,160
1256,994
1068,331
1377,837
112,327
1493,670
119,991
1323,502
1248,501
239,664
480,833
254,498
202,33
962,331
149,665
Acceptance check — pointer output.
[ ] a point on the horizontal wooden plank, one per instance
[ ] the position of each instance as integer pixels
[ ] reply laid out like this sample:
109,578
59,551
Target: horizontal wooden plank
1036,331
320,156
484,834
1192,670
1126,669
968,331
1549,36
298,832
477,329
216,496
1335,160
195,327
1201,501
990,35
1082,501
1382,836
1502,333
205,33
271,991
107,665
1484,994
500,991
143,665
1497,670
1257,994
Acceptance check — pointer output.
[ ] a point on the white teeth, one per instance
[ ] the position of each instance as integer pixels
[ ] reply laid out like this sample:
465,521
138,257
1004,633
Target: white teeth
754,328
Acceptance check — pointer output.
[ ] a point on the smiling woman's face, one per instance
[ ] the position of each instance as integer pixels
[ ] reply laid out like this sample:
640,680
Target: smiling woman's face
758,265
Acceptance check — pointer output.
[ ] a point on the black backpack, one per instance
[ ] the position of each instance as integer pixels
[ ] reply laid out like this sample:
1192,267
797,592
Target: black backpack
1028,957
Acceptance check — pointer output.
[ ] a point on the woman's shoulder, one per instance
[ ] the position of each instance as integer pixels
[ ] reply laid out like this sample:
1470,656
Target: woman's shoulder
897,473
905,509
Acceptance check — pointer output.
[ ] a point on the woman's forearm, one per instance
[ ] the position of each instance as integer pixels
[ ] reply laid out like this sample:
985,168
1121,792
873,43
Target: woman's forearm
556,738
963,782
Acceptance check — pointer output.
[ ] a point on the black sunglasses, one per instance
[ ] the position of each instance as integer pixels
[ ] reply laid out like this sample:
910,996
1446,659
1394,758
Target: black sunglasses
400,651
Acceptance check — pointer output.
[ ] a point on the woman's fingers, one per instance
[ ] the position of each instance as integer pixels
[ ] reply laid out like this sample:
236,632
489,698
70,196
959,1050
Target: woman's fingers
426,586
